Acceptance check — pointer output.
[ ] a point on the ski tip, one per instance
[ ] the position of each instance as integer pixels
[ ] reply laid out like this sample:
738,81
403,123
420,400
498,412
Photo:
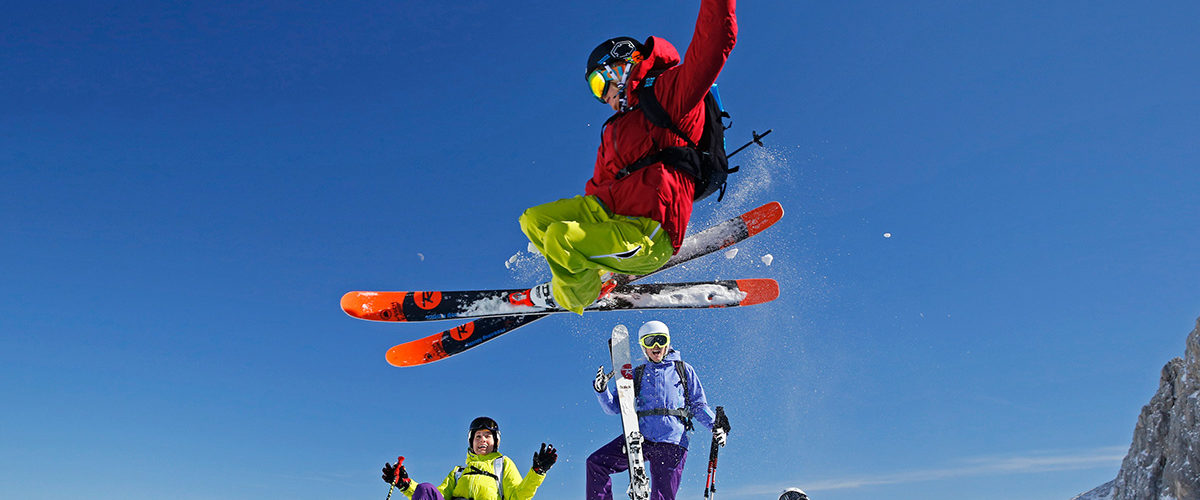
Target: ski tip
418,352
350,303
758,290
374,306
762,217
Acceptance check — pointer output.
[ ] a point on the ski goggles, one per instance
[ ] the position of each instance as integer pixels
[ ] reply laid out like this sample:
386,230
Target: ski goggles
600,78
655,340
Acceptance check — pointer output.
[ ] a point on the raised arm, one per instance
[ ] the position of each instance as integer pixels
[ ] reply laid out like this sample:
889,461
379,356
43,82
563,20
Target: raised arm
712,41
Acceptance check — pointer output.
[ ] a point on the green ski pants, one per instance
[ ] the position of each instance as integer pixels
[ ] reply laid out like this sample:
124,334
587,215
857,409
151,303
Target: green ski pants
581,241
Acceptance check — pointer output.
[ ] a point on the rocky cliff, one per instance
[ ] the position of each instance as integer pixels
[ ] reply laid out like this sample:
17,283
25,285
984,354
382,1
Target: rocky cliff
1164,460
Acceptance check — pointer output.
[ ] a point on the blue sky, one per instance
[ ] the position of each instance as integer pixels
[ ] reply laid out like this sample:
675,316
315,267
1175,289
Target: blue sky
189,188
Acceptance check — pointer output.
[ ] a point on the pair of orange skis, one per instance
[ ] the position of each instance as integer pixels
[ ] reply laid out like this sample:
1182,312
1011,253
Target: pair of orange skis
496,315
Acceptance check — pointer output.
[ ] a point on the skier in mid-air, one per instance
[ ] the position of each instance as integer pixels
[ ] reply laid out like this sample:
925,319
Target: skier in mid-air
487,475
669,397
631,222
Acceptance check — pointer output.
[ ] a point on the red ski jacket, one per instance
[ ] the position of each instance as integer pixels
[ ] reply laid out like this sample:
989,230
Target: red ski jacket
659,192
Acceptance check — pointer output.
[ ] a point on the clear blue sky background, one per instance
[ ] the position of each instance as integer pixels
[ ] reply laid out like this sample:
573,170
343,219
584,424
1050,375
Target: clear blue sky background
188,188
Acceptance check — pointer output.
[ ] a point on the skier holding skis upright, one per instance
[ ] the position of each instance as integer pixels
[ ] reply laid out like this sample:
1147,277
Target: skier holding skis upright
669,396
487,475
636,207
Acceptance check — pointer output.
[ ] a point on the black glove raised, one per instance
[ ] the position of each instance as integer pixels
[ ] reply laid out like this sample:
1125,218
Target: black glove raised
722,420
395,474
544,459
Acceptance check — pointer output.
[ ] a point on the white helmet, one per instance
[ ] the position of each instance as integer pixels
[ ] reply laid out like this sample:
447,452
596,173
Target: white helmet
793,494
653,327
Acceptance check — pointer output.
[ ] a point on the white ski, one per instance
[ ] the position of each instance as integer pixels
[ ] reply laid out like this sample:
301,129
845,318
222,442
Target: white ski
618,346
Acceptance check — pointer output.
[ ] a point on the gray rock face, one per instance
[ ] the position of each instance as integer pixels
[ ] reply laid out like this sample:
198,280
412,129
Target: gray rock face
1103,492
1164,460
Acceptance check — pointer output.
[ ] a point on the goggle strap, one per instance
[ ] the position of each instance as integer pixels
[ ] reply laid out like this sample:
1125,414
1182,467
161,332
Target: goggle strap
621,77
621,87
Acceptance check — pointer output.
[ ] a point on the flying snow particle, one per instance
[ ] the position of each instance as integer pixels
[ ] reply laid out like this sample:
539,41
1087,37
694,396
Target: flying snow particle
887,235
532,249
731,253
421,257
512,261
768,259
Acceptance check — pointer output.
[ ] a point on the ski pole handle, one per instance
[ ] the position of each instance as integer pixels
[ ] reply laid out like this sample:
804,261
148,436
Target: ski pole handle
399,463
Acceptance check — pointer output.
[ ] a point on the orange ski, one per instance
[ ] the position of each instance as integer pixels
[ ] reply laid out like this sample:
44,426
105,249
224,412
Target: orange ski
700,295
429,306
468,335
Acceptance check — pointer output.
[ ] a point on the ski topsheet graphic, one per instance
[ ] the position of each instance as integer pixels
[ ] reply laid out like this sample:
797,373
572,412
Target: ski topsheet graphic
618,346
427,306
471,334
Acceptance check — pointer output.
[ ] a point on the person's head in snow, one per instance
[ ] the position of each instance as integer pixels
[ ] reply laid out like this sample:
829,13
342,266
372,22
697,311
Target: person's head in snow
655,339
608,68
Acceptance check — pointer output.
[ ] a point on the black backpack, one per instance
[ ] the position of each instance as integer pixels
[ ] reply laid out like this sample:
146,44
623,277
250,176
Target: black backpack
706,162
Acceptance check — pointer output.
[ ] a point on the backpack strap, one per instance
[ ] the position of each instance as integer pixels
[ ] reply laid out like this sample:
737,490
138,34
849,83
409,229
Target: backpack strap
684,414
497,465
637,379
681,369
655,112
683,158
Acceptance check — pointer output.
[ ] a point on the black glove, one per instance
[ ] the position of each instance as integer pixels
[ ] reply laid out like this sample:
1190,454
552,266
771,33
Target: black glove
544,459
395,474
722,420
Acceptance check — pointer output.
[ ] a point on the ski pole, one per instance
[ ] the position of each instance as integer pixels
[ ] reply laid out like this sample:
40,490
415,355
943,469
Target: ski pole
756,140
399,463
710,484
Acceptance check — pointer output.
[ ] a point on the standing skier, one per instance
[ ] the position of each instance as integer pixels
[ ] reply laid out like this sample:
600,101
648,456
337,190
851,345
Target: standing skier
487,475
669,396
631,222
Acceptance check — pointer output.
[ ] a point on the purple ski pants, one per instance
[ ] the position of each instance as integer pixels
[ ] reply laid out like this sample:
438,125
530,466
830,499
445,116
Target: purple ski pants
426,491
666,466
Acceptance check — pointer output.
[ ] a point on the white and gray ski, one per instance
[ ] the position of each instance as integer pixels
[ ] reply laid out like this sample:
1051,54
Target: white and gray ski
618,346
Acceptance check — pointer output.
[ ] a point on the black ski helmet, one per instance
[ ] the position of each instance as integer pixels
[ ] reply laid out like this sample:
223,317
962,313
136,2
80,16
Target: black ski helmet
620,48
483,423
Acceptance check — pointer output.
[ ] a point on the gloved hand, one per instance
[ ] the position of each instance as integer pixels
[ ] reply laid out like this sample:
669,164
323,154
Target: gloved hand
720,436
601,382
395,474
544,459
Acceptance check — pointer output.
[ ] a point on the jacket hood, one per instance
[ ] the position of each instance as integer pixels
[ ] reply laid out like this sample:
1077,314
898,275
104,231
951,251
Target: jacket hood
660,56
